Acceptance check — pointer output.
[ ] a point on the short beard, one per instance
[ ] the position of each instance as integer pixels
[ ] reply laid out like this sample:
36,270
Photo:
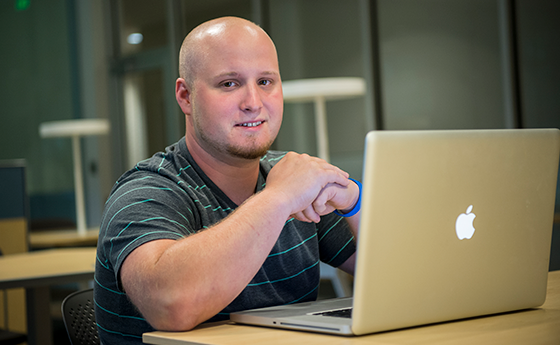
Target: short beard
248,153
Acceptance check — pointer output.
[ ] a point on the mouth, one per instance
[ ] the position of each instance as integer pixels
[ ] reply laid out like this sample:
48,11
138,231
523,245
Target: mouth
250,124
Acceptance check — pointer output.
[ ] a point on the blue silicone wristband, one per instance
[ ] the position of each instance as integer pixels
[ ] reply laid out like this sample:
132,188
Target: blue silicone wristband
357,206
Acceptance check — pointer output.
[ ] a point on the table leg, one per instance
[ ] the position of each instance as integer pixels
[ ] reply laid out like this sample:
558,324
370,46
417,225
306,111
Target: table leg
39,326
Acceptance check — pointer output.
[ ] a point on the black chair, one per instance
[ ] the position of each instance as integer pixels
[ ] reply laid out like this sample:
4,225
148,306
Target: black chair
79,318
11,338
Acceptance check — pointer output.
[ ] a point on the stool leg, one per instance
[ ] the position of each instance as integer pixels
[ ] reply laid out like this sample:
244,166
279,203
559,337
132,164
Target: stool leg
321,128
79,186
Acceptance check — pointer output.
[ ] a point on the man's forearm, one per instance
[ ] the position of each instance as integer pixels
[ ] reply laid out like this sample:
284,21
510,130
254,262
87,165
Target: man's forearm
179,284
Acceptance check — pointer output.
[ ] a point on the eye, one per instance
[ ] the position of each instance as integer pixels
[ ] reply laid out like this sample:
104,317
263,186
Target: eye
228,84
265,82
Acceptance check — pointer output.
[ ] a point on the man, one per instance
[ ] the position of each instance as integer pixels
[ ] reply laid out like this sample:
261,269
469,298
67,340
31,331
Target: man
218,223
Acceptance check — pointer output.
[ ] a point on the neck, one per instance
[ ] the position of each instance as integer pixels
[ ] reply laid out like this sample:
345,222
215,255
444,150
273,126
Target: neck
236,177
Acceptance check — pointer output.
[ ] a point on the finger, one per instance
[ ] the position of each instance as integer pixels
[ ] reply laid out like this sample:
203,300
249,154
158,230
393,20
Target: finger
329,167
310,214
325,198
330,176
301,217
322,208
320,203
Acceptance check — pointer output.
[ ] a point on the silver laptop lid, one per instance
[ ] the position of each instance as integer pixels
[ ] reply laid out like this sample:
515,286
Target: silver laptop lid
414,266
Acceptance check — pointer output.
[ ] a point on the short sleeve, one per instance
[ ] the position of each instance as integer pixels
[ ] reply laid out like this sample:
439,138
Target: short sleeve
143,208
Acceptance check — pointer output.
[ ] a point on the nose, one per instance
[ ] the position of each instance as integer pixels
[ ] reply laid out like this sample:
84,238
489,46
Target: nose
252,101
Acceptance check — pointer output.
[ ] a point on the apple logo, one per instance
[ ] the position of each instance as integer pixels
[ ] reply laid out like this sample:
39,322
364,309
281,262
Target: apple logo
464,224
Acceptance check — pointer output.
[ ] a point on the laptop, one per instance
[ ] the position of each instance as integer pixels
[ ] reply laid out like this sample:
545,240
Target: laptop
454,224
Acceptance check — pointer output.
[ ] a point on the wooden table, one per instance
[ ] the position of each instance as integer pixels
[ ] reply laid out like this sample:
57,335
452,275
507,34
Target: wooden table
36,271
534,326
62,238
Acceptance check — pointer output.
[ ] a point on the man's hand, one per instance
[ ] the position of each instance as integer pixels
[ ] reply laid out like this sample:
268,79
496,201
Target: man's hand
336,197
311,187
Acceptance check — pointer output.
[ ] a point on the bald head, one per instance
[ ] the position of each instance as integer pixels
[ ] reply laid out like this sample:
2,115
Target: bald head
209,37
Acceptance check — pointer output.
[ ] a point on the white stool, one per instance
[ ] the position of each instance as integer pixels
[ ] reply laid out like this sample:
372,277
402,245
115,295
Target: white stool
76,129
319,91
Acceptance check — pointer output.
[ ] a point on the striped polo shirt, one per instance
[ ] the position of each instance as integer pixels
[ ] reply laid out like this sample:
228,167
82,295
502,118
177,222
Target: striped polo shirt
169,197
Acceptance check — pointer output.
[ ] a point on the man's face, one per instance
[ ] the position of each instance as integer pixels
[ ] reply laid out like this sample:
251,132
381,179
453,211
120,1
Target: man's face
236,96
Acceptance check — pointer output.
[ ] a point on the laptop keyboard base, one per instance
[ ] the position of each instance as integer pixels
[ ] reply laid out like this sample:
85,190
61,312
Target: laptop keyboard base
344,313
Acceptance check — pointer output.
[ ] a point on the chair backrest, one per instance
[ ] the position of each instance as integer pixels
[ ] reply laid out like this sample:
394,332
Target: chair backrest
79,318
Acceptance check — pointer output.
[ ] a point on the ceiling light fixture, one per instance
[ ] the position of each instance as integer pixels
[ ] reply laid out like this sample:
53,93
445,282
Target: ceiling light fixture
135,38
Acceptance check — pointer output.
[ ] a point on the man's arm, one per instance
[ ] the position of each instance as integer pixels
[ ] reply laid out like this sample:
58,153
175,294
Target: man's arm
178,284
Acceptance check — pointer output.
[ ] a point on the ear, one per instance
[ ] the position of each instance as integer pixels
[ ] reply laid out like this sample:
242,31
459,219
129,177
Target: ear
183,95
